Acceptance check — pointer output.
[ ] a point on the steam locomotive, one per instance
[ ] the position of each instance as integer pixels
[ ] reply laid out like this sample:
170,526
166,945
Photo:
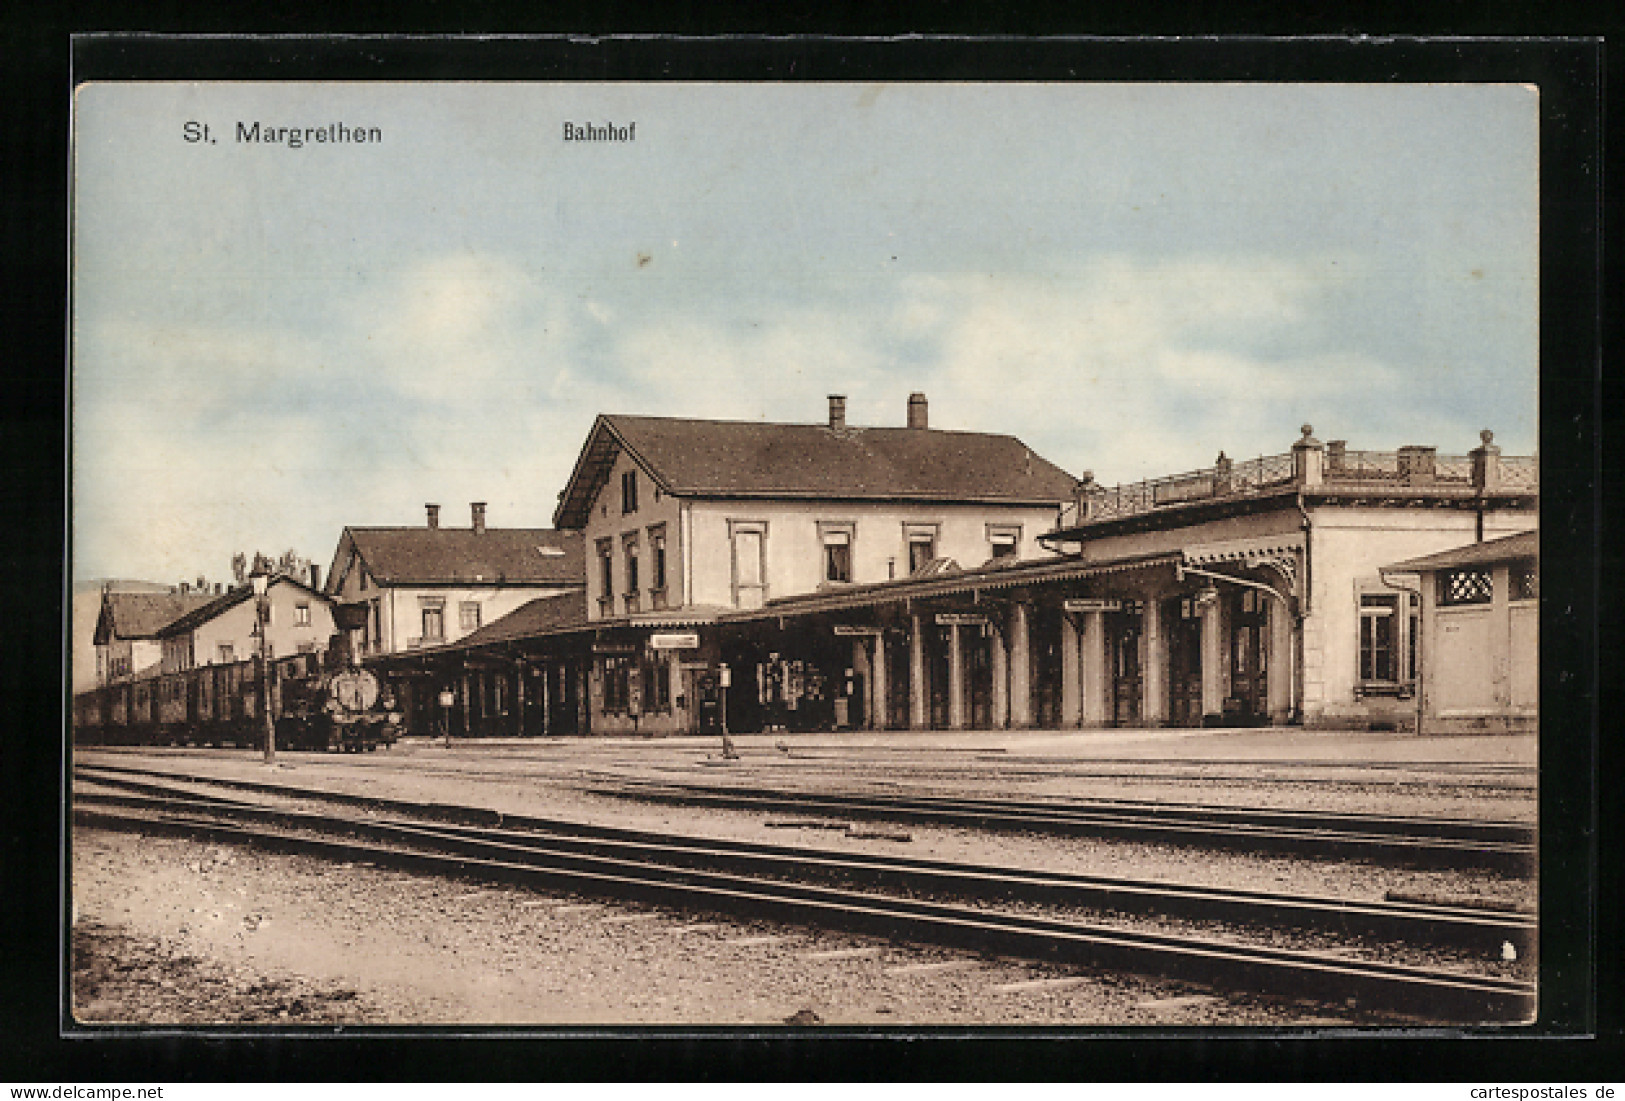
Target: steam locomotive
318,701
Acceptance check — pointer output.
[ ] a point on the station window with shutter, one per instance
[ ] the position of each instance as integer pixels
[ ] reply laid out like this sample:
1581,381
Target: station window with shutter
836,540
657,566
433,613
1004,540
606,576
922,545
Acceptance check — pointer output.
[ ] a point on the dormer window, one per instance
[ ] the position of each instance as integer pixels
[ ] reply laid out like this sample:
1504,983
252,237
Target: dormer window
629,492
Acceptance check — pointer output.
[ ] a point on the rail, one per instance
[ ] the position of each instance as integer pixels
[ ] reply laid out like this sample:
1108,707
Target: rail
629,873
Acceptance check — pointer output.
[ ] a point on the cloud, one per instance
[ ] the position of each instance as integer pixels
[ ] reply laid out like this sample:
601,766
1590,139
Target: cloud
474,377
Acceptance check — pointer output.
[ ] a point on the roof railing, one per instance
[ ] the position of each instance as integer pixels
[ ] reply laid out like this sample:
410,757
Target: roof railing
1308,463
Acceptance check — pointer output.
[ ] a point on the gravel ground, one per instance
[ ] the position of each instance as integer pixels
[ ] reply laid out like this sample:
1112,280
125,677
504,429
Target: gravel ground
177,932
249,936
516,784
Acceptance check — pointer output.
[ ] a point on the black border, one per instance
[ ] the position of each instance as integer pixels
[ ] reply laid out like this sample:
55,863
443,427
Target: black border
1570,74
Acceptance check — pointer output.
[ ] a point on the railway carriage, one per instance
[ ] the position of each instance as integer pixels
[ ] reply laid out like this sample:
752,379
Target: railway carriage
318,701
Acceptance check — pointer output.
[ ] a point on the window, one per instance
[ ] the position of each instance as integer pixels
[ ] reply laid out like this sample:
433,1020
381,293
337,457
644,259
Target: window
837,541
629,491
1469,585
748,540
375,616
1523,576
1379,637
657,558
227,653
307,647
922,546
434,622
301,615
606,575
630,549
468,615
1004,541
1390,630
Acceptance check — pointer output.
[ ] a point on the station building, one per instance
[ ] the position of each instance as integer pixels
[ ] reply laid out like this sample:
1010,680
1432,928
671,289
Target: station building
1248,592
821,577
694,528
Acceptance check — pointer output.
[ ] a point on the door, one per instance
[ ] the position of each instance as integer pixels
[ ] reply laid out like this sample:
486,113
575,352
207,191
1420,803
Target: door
1123,631
1184,661
1249,657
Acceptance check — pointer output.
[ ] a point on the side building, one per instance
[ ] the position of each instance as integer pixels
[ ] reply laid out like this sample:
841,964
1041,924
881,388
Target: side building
406,595
1263,598
127,630
299,620
1480,634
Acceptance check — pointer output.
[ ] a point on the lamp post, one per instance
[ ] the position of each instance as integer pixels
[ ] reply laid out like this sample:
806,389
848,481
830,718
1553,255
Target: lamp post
262,608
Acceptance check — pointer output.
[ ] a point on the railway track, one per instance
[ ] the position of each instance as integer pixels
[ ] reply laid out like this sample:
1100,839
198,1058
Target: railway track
815,887
1423,842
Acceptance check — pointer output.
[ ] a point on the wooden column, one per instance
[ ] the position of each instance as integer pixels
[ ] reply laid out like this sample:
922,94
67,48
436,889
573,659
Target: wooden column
1021,667
519,697
956,679
919,716
1154,672
877,684
1095,681
1212,662
1001,680
1071,674
583,698
547,698
1278,680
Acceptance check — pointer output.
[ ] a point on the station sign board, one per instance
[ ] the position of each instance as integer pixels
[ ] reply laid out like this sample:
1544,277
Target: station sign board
955,619
676,640
1092,605
847,630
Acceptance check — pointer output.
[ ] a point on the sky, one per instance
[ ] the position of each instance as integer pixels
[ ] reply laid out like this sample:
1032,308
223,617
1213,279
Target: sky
271,343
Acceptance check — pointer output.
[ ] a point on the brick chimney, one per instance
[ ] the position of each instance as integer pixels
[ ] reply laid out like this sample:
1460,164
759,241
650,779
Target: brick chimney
434,515
837,411
478,508
315,577
917,417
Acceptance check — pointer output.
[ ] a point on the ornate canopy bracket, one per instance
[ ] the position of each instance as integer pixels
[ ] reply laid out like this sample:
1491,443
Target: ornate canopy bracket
1283,563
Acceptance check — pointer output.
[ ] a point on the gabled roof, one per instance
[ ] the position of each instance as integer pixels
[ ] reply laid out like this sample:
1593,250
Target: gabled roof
142,615
238,595
706,458
1525,544
542,616
443,556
